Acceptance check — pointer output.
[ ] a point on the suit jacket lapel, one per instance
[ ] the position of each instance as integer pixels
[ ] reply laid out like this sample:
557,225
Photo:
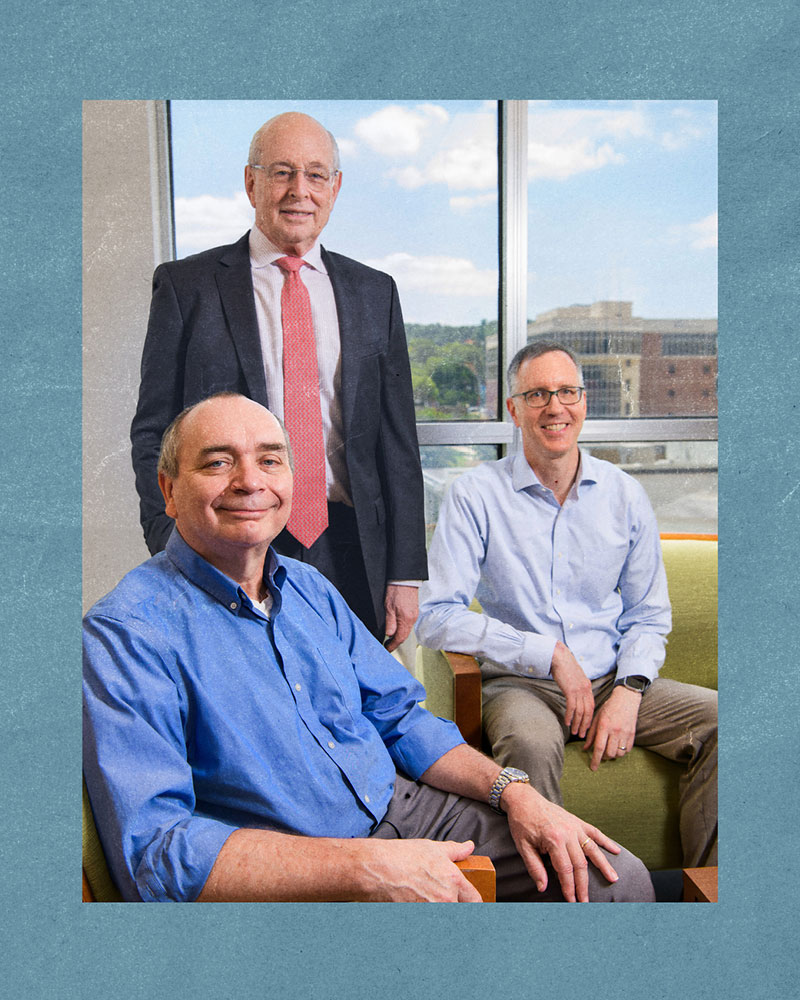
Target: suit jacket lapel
235,286
348,297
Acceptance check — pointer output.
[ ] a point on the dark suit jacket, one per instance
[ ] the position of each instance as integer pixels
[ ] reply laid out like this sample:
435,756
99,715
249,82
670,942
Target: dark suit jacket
202,338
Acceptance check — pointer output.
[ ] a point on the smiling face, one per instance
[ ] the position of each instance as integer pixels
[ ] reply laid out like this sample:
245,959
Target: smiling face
290,214
233,491
551,432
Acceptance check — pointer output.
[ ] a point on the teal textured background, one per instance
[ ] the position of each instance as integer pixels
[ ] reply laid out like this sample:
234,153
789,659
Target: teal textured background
57,55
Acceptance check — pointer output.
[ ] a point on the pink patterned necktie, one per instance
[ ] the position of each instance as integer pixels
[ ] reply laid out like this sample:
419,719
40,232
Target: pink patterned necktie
301,407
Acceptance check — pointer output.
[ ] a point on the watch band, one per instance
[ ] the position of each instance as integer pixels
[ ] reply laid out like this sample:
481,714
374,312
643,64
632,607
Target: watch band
506,777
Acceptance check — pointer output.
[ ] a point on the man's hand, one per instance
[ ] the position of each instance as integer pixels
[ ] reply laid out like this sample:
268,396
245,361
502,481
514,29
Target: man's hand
614,727
416,871
402,611
576,687
541,827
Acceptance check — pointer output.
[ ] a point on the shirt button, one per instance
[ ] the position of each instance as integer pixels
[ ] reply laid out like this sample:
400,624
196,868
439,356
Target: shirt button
366,799
331,744
571,625
234,605
298,687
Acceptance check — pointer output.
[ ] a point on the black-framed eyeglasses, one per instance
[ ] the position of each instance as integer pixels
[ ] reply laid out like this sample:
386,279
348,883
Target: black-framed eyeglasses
279,175
537,398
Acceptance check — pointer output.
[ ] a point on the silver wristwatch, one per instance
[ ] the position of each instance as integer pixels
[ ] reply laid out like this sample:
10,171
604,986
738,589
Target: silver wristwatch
505,777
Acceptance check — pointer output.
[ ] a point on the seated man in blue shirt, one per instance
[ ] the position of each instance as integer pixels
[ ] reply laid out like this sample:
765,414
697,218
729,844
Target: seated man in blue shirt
563,554
243,730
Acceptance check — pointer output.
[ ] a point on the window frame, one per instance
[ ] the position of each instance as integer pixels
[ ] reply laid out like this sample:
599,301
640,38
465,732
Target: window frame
512,150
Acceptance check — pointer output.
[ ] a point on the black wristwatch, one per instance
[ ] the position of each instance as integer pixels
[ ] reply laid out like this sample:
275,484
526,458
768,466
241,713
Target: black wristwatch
634,683
505,777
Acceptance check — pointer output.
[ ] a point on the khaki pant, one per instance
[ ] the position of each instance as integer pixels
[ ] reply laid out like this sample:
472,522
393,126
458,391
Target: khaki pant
524,722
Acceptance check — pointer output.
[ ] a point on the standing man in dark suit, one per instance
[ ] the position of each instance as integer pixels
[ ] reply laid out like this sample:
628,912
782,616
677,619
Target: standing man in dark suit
220,320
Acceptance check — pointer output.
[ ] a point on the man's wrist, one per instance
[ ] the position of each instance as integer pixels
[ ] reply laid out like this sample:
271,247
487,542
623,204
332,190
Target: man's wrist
507,776
633,682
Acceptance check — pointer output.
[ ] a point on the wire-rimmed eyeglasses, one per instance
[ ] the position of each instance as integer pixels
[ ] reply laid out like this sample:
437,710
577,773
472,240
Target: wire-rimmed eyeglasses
280,175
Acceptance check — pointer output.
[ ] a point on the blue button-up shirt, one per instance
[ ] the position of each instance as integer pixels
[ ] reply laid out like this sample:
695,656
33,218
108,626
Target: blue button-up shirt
587,572
202,715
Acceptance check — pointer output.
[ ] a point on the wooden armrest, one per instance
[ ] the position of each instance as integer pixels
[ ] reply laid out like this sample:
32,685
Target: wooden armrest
480,872
466,696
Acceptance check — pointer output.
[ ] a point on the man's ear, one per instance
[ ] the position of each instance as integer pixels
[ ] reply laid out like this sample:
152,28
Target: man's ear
250,183
165,484
512,409
337,186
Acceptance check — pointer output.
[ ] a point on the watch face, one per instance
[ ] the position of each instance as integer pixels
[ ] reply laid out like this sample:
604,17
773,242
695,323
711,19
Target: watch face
516,773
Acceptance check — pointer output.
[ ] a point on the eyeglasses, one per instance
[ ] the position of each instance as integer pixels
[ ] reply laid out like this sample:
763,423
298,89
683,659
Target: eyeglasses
279,176
537,398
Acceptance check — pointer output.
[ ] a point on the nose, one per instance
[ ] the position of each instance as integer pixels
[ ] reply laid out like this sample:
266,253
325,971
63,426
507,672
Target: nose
247,477
554,404
298,185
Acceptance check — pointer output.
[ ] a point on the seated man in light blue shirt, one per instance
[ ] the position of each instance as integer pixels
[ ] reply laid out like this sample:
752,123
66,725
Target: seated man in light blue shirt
243,731
562,552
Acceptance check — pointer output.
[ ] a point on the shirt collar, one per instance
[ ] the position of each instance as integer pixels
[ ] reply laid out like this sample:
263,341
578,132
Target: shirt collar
222,588
263,252
523,476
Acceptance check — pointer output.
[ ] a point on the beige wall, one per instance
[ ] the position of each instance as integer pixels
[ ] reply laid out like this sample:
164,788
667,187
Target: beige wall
126,232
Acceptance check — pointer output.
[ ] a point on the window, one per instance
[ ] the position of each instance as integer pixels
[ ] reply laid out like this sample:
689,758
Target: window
606,215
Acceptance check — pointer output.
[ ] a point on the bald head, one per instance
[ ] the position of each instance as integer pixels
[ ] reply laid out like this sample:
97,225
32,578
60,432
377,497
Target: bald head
168,459
291,122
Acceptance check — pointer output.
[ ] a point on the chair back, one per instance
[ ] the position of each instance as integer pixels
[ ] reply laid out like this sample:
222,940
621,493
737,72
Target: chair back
691,566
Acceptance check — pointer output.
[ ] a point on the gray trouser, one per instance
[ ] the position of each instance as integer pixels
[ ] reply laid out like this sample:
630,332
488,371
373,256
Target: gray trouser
524,722
419,811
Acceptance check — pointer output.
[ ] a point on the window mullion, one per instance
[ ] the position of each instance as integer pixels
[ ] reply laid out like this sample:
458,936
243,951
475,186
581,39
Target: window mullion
513,239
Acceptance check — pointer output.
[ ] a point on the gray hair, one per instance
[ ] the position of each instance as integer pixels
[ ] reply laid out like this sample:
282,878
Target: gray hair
254,155
171,440
535,350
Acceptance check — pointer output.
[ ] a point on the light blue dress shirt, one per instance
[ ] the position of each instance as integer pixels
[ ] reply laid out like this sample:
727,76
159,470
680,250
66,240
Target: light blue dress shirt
202,715
588,572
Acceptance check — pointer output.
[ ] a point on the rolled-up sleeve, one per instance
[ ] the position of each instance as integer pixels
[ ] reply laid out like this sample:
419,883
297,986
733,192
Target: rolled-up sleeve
136,769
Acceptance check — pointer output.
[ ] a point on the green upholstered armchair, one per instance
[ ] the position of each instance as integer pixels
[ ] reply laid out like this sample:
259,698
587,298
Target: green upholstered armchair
635,799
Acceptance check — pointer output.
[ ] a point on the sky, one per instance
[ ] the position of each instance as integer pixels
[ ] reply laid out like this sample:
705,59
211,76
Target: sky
622,198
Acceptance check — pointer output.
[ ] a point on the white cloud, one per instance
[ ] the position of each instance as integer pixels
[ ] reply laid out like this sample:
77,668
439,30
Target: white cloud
558,161
209,220
438,275
466,202
689,125
348,148
704,233
459,152
396,131
700,235
565,142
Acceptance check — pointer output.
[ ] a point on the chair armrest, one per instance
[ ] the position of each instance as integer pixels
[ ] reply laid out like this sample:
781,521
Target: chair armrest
466,696
480,872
